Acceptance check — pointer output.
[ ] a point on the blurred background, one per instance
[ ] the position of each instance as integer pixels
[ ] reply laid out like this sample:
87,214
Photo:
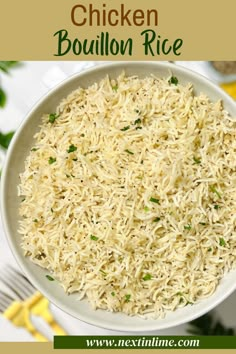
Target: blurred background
22,84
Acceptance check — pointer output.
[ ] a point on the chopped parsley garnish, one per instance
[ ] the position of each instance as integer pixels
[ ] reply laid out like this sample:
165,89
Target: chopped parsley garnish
52,210
115,88
216,206
214,190
138,128
157,219
209,249
72,148
196,161
136,111
187,227
52,117
222,242
82,135
129,152
154,200
22,200
35,220
146,209
113,293
127,297
125,128
51,160
173,80
94,238
50,278
203,223
138,121
34,149
147,277
102,271
75,159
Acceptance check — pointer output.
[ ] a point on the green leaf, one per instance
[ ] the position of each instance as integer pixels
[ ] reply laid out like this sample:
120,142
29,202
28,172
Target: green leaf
138,121
127,297
52,117
125,128
5,139
173,80
222,242
50,278
94,238
72,148
196,160
154,200
147,277
113,293
51,160
157,219
6,65
3,98
187,227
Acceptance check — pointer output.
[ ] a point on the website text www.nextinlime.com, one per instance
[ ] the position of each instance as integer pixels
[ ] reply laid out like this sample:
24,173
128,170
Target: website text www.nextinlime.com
144,342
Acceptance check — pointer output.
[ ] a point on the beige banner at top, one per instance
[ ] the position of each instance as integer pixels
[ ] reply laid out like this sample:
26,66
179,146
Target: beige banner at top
118,30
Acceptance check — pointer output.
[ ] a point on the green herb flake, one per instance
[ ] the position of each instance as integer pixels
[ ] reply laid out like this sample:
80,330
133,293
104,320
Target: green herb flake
72,148
51,160
203,223
216,207
137,128
102,271
50,278
35,220
127,297
5,139
3,98
146,209
222,242
115,88
34,149
157,219
94,238
173,80
22,200
147,277
52,210
137,111
52,117
188,227
196,160
214,190
75,159
129,152
125,128
113,293
154,200
209,249
82,135
138,121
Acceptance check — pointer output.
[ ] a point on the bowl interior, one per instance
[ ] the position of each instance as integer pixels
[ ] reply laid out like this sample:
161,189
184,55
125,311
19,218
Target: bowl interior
19,149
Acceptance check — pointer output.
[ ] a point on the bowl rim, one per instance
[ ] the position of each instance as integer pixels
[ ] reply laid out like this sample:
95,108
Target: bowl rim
159,325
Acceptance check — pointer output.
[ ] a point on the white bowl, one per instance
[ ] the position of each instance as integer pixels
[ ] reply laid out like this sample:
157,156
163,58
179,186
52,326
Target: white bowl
19,149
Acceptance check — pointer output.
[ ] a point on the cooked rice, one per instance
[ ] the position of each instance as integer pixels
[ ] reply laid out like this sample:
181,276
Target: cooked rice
140,217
